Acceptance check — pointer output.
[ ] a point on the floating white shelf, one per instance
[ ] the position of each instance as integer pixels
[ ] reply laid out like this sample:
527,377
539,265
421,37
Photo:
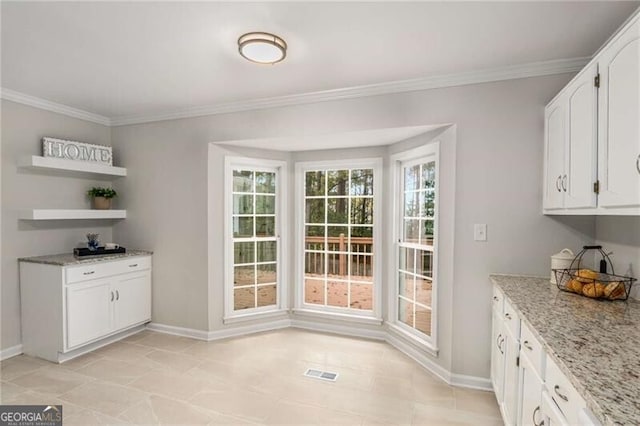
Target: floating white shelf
61,214
72,168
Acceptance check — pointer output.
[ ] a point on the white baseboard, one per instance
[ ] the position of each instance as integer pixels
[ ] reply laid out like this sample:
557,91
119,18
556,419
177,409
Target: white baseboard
219,334
460,380
178,331
418,356
249,329
471,382
345,330
10,352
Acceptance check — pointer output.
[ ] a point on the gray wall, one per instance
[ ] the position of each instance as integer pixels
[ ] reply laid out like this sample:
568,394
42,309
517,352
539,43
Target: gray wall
22,130
498,182
621,235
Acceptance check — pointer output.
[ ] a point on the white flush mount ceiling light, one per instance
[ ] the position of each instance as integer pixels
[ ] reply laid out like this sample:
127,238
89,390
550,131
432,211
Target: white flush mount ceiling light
262,48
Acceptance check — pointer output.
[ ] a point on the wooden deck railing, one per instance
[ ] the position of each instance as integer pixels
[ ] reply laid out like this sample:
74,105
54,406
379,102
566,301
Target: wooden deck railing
361,254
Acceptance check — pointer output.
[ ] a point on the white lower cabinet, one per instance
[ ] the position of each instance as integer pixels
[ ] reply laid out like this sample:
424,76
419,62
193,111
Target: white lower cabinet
89,311
504,358
497,357
66,309
530,388
531,385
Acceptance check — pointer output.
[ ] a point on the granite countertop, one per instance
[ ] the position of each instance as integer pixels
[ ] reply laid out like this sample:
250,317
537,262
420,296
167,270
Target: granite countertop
66,259
595,343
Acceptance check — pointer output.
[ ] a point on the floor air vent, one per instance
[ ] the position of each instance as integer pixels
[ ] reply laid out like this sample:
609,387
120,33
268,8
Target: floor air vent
322,375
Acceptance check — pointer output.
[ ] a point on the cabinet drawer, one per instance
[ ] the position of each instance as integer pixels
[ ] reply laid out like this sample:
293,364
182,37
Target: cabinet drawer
104,269
511,319
498,300
89,272
531,348
563,393
133,264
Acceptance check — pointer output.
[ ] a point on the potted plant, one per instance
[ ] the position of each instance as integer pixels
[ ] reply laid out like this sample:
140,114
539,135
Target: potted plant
101,197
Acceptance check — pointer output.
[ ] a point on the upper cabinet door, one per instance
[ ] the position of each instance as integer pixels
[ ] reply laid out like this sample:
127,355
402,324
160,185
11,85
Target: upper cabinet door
555,139
580,168
619,121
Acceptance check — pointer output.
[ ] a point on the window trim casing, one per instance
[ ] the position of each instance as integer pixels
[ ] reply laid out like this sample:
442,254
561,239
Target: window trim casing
282,292
375,163
416,155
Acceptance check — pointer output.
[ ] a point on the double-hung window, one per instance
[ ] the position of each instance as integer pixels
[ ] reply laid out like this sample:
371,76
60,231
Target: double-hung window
338,240
253,223
416,233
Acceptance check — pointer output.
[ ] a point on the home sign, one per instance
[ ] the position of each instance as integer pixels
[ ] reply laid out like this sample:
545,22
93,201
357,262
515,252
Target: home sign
78,151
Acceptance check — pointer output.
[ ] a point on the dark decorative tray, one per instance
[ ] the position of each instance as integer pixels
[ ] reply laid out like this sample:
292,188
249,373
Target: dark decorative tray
100,251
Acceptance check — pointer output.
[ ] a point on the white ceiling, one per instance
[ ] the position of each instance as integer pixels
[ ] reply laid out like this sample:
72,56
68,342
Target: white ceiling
130,58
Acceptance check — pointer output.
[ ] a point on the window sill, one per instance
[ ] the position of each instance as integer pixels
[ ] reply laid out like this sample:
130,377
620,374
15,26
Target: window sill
356,319
253,316
416,341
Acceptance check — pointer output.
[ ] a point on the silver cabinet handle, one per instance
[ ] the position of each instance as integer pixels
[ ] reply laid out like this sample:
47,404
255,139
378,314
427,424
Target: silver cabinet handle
507,316
556,389
564,183
133,265
117,295
527,345
534,417
112,296
638,163
498,341
495,298
89,273
558,183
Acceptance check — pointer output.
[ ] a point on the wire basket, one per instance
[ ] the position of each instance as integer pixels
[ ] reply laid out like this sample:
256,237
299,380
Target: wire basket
592,284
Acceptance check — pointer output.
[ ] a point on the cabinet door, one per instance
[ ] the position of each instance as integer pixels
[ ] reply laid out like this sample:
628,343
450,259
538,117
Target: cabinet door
580,170
511,379
530,394
555,138
132,299
550,412
89,308
497,356
619,123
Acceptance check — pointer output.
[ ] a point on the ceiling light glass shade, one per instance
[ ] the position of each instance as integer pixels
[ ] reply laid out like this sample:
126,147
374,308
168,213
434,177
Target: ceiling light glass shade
263,48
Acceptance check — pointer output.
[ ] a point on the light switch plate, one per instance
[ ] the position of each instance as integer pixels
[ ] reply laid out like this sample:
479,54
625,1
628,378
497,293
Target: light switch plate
480,232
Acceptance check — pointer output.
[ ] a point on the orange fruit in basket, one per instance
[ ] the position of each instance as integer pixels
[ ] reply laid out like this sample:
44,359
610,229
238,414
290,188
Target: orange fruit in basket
586,275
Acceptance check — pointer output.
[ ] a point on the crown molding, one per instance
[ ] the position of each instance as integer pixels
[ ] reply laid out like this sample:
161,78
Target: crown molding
22,98
534,69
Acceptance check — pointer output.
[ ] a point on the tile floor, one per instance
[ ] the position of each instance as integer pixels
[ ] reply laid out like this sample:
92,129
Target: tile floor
153,378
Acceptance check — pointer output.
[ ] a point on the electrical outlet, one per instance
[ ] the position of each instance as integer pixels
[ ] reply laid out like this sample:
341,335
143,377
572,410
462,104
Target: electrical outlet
480,232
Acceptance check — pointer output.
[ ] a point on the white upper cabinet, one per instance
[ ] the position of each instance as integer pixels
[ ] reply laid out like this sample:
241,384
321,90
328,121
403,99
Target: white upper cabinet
570,145
555,141
580,162
592,134
619,130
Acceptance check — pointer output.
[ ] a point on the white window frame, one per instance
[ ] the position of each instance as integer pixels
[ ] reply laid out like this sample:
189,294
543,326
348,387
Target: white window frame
259,165
420,155
345,313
